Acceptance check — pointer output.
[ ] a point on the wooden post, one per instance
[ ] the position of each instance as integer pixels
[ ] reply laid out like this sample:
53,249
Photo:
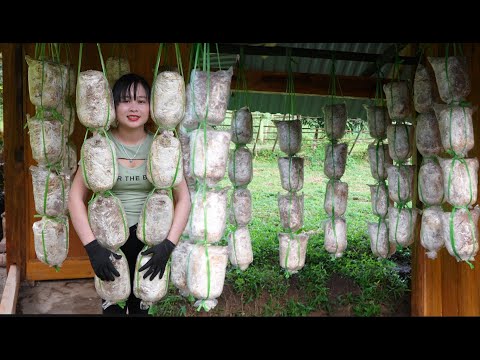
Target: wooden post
275,143
261,130
14,80
256,139
315,139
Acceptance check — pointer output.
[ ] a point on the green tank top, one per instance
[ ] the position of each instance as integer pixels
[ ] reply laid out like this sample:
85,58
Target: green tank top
132,186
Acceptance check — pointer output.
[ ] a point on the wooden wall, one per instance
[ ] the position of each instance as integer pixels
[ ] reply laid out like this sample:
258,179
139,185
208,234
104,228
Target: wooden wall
445,287
16,209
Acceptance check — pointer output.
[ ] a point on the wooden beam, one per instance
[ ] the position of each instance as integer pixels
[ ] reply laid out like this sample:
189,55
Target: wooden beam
224,48
308,84
15,168
76,268
8,305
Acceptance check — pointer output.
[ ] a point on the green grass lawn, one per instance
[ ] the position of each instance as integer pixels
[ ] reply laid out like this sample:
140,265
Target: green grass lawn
376,284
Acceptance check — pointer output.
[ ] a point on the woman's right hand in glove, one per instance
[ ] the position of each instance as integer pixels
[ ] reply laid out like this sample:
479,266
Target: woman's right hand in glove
100,260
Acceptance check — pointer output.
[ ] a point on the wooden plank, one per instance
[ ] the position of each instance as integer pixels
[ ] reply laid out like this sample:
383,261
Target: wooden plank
450,282
426,283
308,84
8,304
473,52
15,166
76,268
469,297
468,301
432,287
418,278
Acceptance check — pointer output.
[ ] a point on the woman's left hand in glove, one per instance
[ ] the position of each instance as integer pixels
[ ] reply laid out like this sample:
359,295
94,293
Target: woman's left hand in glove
157,263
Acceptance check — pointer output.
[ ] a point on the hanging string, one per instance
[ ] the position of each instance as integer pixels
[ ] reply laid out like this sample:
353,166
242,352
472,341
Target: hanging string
203,125
289,104
396,65
155,74
178,56
218,57
241,98
332,91
379,94
461,103
107,95
243,77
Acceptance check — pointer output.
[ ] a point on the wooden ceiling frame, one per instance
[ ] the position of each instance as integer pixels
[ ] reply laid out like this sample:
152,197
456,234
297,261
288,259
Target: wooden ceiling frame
387,57
363,86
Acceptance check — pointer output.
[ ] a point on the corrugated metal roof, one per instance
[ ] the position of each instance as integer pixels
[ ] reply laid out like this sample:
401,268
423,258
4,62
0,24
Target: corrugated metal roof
308,105
315,65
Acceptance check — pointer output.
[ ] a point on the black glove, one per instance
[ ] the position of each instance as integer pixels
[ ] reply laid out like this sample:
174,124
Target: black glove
100,260
161,252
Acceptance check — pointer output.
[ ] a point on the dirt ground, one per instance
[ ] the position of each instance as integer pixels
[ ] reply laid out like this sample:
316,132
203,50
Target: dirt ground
78,297
3,278
230,304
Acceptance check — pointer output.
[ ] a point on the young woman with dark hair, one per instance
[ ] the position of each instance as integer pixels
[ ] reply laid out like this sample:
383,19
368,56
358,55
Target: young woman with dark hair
131,94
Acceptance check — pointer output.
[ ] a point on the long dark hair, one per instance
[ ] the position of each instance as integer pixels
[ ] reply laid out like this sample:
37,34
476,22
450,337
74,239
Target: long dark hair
122,87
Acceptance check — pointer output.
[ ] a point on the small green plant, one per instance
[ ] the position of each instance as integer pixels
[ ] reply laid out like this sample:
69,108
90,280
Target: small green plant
171,305
263,288
296,308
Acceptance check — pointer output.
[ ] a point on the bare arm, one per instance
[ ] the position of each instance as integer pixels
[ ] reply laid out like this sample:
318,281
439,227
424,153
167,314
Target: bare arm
182,205
78,210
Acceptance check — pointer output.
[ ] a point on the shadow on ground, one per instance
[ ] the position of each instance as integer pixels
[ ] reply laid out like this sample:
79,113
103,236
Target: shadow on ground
59,297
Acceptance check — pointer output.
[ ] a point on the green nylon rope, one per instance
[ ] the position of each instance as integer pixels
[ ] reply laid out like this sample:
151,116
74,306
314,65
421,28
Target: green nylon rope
178,56
139,261
449,183
446,72
378,231
206,65
155,74
464,163
332,218
234,245
452,235
109,193
82,159
44,246
420,190
150,166
110,144
463,105
144,217
107,89
402,204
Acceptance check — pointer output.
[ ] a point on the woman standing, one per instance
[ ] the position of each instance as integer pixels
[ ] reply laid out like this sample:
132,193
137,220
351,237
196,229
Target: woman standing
131,94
